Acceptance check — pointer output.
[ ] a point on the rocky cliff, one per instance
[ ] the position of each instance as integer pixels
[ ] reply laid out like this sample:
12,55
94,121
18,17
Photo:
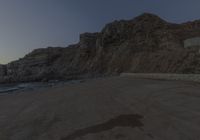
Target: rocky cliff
145,44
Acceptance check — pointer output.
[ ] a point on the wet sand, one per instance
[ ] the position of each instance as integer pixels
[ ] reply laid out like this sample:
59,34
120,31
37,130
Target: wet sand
115,108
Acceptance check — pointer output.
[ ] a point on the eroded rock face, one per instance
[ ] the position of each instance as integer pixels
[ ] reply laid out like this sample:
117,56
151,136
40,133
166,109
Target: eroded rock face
146,44
3,70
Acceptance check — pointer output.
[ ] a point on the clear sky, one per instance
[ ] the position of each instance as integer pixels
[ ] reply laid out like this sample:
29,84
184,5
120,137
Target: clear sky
29,24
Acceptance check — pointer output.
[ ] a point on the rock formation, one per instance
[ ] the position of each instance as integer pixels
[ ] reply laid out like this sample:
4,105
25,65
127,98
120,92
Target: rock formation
145,44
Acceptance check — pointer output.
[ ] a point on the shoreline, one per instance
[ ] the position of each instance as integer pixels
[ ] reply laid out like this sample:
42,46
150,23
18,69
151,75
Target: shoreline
29,86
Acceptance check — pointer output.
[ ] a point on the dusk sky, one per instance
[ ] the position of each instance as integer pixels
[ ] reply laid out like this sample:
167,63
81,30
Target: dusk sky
29,24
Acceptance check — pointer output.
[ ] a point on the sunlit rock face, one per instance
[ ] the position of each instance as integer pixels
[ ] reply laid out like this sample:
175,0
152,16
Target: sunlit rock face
192,43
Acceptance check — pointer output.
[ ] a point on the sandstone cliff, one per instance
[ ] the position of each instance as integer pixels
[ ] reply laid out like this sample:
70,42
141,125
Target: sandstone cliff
145,44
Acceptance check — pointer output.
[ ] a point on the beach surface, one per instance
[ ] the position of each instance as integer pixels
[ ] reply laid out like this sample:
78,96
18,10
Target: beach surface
113,108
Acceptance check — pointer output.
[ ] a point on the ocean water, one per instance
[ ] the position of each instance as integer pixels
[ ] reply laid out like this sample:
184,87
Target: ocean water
12,88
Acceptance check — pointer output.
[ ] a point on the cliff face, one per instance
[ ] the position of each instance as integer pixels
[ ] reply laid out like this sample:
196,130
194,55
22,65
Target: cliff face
144,44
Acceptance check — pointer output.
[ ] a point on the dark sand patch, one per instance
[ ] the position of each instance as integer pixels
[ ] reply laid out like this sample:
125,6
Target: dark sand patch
130,120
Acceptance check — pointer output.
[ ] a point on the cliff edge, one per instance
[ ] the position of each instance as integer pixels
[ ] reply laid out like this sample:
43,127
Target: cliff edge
145,44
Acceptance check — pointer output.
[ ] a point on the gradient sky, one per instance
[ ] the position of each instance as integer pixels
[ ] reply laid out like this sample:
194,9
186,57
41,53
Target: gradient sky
29,24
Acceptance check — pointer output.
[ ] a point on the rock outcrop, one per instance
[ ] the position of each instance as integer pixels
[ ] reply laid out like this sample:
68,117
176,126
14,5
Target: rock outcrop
145,44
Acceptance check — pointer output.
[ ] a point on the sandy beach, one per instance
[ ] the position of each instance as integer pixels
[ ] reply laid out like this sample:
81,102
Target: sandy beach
114,108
